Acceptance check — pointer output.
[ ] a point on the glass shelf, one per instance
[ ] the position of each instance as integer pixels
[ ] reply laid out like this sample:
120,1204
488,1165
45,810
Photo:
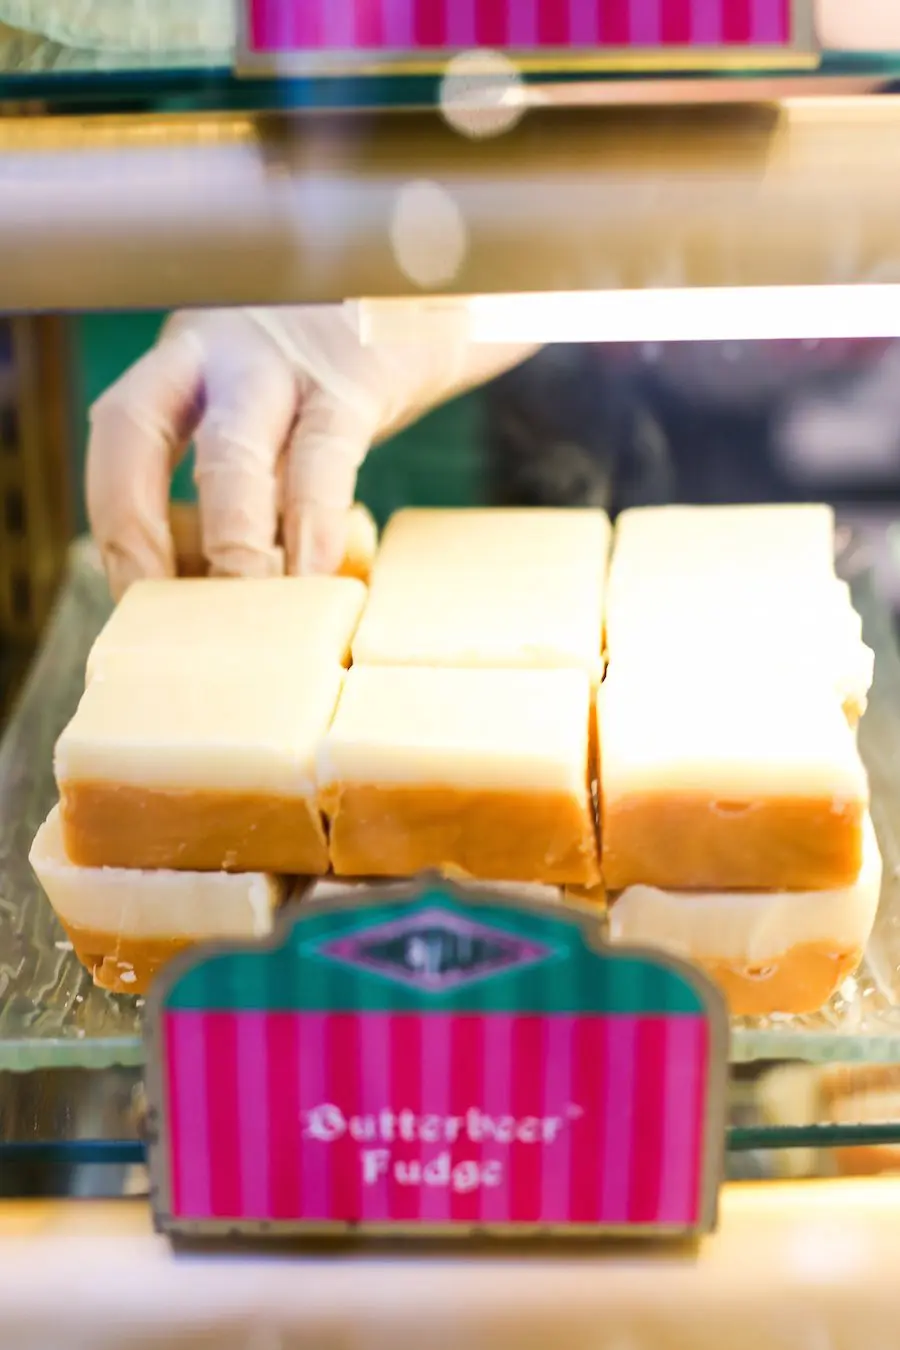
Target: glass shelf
78,1132
51,1015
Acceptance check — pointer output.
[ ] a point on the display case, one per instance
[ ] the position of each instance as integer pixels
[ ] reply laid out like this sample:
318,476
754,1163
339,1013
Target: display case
570,194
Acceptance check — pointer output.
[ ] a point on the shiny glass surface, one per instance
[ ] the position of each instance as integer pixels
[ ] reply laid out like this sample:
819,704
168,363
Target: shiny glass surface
77,1132
214,87
52,1016
70,1054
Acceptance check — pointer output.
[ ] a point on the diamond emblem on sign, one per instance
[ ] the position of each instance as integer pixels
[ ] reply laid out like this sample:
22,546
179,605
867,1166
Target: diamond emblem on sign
435,949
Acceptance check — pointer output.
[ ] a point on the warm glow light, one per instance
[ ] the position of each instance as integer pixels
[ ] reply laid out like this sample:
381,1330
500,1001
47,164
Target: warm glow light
714,314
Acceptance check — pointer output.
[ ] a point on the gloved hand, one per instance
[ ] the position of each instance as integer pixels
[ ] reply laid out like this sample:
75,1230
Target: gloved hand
282,406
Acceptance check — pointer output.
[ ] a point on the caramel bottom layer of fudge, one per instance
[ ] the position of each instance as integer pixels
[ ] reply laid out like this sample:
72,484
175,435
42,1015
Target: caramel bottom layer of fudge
709,783
360,548
477,773
778,952
360,544
124,925
199,773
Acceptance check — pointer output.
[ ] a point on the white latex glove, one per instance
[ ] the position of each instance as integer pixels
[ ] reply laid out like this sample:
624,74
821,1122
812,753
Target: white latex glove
282,406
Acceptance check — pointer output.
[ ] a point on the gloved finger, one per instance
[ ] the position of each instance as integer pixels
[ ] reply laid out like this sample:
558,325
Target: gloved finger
251,406
139,429
329,443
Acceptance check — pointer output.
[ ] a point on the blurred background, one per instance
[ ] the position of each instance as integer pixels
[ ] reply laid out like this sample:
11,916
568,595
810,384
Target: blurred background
599,425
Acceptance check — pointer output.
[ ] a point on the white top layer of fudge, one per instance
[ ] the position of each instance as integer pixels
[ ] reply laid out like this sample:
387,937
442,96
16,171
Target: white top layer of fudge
496,729
152,904
205,623
238,730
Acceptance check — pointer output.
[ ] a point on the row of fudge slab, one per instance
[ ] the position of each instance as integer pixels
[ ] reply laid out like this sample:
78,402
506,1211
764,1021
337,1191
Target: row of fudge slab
533,589
125,924
736,676
772,640
770,952
518,589
221,728
781,952
385,770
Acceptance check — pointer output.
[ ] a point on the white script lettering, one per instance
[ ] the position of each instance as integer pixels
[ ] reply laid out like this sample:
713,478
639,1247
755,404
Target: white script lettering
438,1173
327,1123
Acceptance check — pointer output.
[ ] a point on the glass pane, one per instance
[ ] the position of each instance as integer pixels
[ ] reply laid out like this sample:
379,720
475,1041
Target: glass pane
52,1015
78,1132
133,83
569,435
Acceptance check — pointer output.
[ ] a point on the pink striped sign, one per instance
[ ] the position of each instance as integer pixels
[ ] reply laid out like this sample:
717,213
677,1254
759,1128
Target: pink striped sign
435,1059
409,26
436,1119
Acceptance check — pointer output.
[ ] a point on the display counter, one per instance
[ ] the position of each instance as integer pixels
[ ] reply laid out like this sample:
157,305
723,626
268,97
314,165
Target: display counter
792,1264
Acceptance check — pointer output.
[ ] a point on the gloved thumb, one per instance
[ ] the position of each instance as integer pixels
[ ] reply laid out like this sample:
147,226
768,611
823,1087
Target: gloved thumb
329,443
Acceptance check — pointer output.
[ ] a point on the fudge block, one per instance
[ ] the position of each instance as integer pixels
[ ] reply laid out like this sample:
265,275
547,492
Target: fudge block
125,924
710,783
199,773
477,773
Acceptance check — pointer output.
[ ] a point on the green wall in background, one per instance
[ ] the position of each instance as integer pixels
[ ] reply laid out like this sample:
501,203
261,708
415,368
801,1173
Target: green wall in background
434,463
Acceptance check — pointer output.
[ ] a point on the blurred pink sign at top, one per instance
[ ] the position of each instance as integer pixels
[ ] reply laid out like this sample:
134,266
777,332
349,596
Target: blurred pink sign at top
403,26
